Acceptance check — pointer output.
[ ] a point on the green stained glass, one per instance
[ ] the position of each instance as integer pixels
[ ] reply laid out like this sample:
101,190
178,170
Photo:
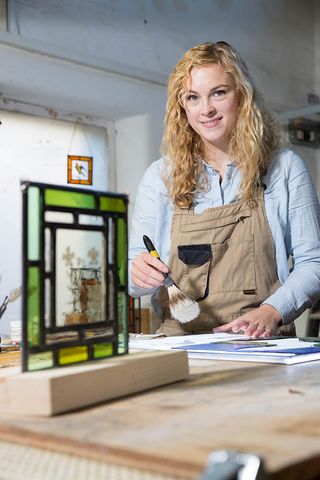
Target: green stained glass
111,204
72,355
122,323
33,223
62,198
54,257
33,305
122,251
40,361
101,350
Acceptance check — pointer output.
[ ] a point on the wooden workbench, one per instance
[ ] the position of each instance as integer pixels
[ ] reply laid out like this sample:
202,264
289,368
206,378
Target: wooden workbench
270,410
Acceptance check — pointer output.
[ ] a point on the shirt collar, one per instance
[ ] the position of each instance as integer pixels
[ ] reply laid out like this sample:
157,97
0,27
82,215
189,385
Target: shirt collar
230,166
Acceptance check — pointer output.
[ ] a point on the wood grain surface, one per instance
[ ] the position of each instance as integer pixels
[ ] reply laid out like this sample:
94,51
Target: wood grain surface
269,410
9,359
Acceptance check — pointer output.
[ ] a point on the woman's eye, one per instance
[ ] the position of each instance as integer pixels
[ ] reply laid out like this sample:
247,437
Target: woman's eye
192,98
219,93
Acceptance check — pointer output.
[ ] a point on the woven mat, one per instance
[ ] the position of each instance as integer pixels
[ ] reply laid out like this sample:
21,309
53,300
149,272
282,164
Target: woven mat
19,462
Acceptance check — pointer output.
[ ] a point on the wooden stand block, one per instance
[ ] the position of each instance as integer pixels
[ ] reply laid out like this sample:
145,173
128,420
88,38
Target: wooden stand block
49,392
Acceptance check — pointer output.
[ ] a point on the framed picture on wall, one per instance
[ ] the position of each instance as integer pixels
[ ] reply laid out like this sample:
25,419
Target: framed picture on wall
80,170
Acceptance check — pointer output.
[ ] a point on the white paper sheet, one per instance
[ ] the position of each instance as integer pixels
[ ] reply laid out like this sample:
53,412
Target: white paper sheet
200,347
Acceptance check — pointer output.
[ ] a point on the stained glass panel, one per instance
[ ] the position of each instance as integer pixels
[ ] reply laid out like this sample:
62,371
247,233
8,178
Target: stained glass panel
33,313
73,355
75,276
63,198
122,251
33,223
112,204
122,322
102,350
40,361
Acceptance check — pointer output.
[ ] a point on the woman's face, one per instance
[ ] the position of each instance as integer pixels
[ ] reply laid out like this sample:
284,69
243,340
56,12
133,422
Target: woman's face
211,104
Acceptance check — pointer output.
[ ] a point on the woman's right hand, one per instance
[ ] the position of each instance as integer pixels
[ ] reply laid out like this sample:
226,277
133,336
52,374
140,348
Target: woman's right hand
147,271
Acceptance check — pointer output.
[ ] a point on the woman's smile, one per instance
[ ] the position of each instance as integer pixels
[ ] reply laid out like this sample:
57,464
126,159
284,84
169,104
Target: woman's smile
212,122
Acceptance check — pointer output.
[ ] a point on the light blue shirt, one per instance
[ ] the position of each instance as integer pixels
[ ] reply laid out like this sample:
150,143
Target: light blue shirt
292,210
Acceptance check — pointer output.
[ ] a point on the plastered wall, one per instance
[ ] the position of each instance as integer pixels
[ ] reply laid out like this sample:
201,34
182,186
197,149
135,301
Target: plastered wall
276,36
37,150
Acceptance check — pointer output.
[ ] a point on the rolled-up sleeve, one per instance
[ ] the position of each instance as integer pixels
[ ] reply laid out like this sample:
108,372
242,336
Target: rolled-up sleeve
297,230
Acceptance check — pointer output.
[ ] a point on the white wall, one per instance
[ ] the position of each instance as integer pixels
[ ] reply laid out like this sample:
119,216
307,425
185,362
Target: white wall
137,145
37,149
275,36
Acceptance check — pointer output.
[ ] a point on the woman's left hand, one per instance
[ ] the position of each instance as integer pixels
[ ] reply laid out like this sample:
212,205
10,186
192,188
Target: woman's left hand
258,323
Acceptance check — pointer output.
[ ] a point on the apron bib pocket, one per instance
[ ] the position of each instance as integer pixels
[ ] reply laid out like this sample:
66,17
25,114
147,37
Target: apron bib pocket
196,260
237,270
195,254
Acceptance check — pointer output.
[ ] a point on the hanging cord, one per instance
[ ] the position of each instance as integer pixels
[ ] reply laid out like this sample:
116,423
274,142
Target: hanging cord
79,124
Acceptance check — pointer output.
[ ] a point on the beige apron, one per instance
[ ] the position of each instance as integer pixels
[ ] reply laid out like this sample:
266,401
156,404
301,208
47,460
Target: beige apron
224,258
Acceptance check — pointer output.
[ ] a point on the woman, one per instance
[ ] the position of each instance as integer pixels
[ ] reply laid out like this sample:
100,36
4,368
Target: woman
229,193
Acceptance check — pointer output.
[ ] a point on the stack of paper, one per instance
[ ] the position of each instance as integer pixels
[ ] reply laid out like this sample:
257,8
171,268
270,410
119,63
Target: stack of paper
225,346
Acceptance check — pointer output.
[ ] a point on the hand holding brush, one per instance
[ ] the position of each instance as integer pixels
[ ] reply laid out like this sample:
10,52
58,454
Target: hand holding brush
182,307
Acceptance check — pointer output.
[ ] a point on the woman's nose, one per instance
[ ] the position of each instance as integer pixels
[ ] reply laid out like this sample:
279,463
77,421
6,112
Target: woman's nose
208,108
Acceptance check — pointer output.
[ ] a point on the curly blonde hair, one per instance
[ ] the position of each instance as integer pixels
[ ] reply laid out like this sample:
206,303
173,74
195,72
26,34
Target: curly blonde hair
255,137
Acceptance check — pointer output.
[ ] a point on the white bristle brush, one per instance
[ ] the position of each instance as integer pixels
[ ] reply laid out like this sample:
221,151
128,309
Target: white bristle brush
182,307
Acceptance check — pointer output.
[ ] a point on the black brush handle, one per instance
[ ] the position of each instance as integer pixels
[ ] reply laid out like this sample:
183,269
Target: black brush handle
3,307
151,249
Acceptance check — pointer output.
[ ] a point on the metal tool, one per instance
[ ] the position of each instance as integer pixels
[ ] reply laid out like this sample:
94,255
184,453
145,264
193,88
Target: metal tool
230,465
3,306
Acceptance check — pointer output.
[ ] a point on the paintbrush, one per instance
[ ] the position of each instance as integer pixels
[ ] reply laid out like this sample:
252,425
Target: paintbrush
14,294
182,307
3,306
